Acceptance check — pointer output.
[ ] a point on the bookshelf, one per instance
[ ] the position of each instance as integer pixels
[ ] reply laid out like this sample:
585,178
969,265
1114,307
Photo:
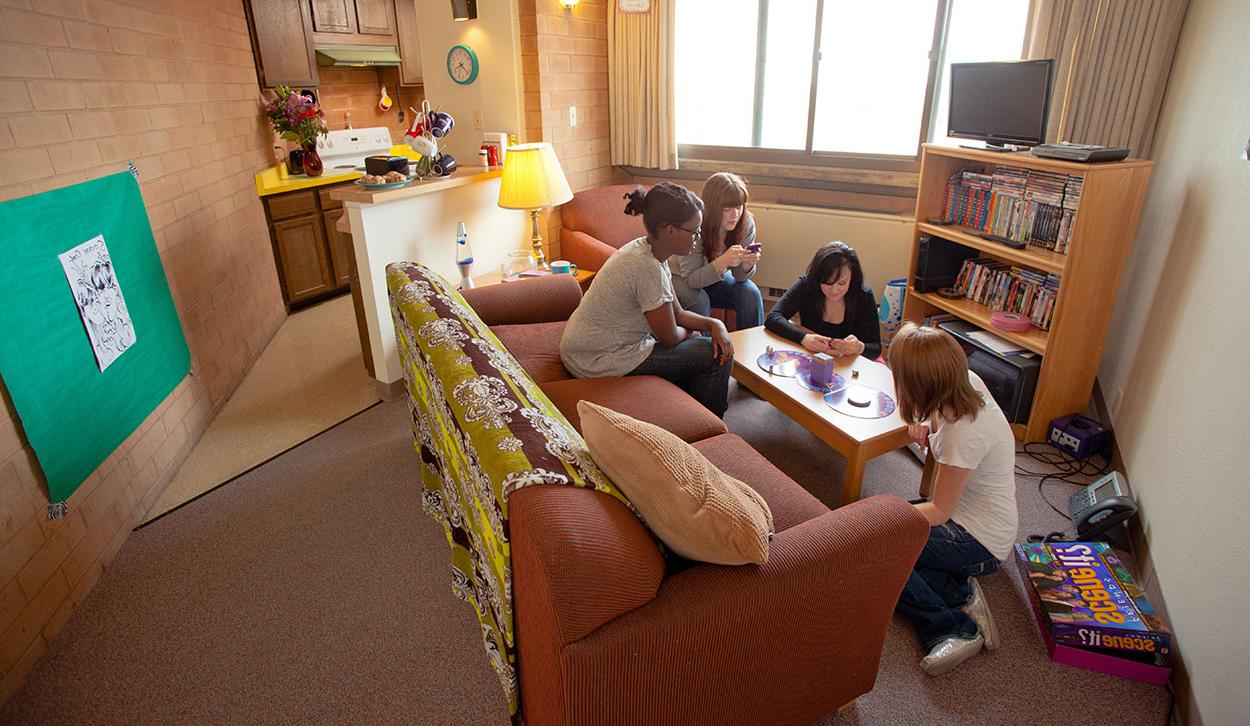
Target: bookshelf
1102,235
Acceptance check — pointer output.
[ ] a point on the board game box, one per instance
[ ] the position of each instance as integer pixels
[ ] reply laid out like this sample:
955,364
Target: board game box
1092,612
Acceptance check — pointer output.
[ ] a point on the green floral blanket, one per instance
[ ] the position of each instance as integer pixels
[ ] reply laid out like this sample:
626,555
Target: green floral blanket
483,430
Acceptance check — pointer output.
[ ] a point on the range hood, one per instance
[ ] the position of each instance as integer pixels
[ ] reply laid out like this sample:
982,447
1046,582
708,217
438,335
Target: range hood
356,56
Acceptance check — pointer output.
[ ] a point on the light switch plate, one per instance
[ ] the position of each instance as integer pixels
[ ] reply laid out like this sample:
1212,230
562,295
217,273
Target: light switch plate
572,115
477,119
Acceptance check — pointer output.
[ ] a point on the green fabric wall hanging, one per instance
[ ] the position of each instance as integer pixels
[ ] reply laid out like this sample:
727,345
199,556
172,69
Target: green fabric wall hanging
73,413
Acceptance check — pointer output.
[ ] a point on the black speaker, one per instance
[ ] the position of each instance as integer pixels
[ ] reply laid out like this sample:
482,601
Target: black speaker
938,262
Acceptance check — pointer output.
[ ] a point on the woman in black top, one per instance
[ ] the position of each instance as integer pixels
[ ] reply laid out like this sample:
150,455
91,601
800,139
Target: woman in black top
842,322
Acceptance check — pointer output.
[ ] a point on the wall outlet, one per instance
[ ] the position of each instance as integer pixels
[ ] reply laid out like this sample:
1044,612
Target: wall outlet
477,119
572,115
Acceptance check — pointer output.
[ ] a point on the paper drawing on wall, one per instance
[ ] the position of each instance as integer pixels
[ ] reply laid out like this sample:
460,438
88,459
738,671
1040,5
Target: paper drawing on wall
89,270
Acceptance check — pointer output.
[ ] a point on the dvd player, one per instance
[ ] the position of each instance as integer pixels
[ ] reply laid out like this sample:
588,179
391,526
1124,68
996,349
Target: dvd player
1079,152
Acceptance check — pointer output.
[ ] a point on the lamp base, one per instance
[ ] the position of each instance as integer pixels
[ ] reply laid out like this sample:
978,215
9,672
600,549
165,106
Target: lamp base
536,240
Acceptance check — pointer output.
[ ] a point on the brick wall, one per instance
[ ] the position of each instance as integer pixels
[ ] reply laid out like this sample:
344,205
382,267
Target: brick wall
86,85
357,90
564,62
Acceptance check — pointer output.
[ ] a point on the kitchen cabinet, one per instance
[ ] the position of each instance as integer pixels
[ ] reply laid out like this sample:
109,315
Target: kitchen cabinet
312,255
281,33
332,16
366,22
409,46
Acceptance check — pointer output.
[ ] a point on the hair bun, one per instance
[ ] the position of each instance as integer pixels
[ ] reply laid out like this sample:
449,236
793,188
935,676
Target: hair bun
637,203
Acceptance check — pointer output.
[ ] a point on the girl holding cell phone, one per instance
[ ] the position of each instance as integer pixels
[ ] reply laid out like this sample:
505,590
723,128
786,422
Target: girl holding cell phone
718,271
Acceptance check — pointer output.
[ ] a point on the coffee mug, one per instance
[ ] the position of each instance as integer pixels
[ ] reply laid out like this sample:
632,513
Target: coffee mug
441,124
563,267
444,164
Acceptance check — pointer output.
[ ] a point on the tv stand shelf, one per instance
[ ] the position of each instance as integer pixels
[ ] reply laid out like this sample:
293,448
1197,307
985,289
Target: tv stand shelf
1033,339
1102,236
1034,257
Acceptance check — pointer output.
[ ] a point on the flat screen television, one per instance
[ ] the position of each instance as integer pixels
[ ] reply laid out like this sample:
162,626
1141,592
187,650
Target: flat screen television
1000,103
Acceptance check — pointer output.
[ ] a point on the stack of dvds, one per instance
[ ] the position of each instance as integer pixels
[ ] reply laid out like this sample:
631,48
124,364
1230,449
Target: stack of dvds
1009,288
1036,207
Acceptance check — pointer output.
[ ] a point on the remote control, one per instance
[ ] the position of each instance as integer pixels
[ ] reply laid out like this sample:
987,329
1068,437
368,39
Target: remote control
1002,240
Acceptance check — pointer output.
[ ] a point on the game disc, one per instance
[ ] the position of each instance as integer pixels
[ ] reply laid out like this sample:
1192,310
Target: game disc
861,402
782,362
804,379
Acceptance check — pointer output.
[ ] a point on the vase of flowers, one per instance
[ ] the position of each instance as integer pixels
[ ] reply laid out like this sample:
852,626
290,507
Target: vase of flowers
298,118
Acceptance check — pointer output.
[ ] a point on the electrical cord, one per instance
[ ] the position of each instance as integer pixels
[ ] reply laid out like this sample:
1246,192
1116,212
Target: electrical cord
1067,468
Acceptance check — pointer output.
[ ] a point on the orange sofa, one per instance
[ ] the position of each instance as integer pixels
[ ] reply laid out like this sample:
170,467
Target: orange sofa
610,632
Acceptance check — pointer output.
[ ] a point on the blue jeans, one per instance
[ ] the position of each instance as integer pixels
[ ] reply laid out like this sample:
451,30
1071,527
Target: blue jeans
938,585
692,366
743,297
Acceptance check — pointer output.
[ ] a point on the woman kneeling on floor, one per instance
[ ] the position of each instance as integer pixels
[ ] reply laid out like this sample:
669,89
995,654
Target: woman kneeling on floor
630,323
972,513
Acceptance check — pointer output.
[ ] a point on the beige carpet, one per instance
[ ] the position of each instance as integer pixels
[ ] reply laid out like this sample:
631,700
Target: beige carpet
308,379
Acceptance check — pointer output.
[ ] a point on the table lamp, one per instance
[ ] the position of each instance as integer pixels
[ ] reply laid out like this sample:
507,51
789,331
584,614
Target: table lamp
533,180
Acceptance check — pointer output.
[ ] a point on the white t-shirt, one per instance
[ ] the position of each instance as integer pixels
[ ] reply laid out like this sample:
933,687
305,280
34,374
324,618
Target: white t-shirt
608,334
985,445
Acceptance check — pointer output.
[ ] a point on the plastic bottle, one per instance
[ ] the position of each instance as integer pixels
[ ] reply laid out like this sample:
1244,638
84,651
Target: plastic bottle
464,257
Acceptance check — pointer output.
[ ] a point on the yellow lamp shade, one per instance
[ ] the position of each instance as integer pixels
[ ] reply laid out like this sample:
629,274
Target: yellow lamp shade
532,178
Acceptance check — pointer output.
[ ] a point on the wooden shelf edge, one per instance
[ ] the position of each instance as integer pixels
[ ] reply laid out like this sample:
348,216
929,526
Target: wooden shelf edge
1034,339
1043,260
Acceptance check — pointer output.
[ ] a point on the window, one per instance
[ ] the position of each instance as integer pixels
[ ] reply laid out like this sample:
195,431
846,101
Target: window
814,78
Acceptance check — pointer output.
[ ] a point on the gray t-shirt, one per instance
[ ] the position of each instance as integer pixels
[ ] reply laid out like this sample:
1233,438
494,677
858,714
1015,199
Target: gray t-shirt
608,334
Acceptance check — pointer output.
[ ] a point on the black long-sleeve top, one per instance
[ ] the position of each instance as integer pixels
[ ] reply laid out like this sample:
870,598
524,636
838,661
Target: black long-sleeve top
860,319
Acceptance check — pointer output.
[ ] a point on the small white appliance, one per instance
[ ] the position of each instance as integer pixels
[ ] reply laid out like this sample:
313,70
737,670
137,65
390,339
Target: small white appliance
346,149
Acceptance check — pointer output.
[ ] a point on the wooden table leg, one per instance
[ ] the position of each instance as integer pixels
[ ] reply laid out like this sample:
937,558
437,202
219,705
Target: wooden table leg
854,478
928,475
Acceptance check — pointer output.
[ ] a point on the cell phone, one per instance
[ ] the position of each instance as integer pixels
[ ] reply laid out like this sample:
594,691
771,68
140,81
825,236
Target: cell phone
754,247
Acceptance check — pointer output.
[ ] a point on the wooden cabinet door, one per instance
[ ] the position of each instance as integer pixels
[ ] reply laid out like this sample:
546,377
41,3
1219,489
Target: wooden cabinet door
340,248
333,16
302,258
409,46
282,43
373,17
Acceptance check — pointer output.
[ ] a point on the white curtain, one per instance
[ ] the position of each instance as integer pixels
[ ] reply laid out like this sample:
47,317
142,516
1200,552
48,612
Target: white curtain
640,86
1112,61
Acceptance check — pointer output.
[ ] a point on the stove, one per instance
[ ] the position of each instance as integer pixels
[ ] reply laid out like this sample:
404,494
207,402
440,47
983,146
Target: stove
346,149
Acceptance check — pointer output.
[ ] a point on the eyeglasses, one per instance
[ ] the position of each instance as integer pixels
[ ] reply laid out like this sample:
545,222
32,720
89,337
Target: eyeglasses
696,234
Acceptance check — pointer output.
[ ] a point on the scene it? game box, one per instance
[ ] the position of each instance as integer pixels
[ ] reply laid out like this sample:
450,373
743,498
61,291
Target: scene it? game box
1092,612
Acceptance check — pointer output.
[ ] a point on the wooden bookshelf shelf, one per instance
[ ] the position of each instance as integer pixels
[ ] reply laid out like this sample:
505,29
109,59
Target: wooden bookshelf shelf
1101,238
1033,339
1034,257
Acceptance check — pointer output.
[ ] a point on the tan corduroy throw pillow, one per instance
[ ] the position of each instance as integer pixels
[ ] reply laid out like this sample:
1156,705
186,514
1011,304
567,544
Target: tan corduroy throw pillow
696,509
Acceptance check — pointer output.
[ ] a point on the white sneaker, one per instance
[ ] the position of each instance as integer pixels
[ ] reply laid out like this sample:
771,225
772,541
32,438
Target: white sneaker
949,653
978,608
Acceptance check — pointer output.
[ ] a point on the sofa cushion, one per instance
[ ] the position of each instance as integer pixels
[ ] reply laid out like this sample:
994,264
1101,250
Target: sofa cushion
646,398
600,213
790,503
536,346
697,510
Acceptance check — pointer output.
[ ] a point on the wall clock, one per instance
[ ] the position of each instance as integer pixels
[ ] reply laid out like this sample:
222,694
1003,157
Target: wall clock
462,64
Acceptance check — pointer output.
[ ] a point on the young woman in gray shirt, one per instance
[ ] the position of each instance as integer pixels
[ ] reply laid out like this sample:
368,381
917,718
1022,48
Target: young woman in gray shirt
630,323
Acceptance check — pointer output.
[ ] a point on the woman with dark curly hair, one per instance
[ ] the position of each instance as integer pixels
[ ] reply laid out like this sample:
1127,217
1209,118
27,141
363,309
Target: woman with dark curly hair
630,323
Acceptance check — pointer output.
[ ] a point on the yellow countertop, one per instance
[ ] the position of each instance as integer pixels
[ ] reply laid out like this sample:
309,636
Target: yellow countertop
459,178
276,180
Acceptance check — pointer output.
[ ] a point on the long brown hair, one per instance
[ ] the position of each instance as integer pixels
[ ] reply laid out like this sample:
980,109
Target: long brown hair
721,191
931,375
